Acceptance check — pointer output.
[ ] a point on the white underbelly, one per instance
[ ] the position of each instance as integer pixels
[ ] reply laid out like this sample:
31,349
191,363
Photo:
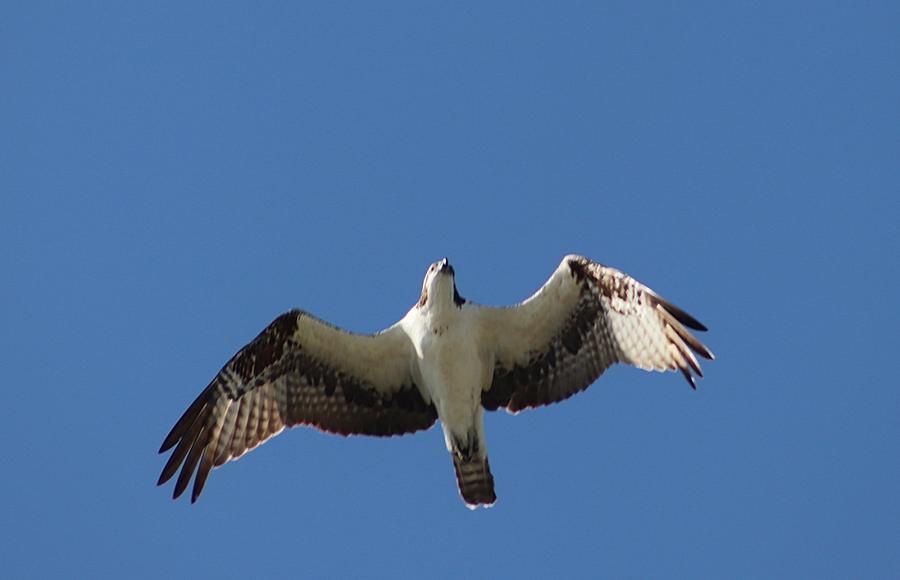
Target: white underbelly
452,371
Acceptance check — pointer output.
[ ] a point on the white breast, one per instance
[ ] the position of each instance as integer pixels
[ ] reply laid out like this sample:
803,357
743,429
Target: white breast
450,364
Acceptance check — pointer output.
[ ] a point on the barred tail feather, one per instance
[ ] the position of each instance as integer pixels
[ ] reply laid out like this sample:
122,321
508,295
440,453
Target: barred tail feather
476,484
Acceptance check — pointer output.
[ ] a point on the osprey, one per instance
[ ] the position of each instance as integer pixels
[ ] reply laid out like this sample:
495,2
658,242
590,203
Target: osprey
447,359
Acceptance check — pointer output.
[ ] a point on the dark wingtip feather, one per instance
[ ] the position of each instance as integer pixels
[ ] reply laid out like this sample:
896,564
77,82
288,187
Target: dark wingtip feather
182,482
206,466
173,437
689,377
190,464
187,419
694,365
174,461
691,340
701,349
681,316
163,477
677,337
184,446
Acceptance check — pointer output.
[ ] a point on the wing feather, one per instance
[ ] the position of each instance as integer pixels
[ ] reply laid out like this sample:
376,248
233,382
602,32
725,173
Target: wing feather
226,433
252,425
185,442
240,429
682,332
193,457
299,370
208,453
683,350
186,420
264,406
585,318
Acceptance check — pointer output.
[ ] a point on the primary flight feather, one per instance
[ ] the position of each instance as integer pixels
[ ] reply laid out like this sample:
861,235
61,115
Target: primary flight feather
446,359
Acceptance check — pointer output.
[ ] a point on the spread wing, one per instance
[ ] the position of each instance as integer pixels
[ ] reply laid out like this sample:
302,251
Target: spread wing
299,370
585,318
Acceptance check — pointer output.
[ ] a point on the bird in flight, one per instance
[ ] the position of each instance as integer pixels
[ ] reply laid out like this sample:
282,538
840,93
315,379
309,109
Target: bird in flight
447,359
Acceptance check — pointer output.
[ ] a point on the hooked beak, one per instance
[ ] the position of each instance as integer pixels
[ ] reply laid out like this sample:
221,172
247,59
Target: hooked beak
444,267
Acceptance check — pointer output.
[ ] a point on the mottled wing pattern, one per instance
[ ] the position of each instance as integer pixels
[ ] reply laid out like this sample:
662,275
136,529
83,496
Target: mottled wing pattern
299,370
584,319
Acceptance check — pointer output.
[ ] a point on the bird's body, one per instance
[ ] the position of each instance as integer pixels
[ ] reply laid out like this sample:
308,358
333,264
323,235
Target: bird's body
452,369
446,359
454,366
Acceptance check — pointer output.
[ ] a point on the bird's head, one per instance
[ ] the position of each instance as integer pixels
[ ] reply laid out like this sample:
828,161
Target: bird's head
439,286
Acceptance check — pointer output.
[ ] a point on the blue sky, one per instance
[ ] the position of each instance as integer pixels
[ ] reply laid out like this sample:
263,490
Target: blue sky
174,175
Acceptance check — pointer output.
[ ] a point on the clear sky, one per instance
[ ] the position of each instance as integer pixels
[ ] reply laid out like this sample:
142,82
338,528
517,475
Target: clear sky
173,175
